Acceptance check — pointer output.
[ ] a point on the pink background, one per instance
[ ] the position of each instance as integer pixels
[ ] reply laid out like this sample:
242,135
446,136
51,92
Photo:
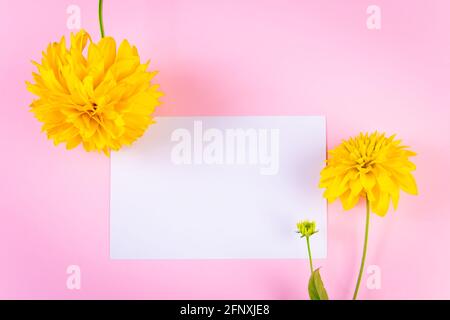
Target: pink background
234,57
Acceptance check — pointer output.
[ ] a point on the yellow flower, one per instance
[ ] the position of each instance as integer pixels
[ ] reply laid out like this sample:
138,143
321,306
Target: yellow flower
371,166
102,98
306,228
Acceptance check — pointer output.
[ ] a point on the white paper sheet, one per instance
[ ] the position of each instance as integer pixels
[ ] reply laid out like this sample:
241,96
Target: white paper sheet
219,187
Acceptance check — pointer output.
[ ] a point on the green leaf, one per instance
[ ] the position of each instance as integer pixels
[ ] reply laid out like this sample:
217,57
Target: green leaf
315,287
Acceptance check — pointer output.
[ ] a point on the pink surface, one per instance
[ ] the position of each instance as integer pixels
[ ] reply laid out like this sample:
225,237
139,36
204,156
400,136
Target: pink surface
234,58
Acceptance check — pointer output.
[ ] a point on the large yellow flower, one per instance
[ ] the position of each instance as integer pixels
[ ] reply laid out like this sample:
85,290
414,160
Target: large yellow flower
102,98
372,166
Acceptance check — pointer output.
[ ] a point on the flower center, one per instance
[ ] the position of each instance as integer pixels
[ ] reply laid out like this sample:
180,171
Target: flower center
365,162
92,108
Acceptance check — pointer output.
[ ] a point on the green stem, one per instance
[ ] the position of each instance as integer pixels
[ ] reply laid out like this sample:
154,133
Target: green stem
100,17
366,238
310,256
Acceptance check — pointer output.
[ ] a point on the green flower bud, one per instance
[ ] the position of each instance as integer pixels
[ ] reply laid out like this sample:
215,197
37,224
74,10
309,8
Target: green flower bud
306,228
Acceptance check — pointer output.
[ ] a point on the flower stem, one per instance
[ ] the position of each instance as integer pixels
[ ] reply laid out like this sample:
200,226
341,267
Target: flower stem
310,256
100,17
363,259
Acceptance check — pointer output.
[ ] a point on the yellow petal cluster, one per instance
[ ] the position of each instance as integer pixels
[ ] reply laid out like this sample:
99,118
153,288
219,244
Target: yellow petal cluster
93,94
372,166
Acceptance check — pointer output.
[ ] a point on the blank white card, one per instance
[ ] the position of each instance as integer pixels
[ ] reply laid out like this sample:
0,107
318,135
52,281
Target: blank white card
219,188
